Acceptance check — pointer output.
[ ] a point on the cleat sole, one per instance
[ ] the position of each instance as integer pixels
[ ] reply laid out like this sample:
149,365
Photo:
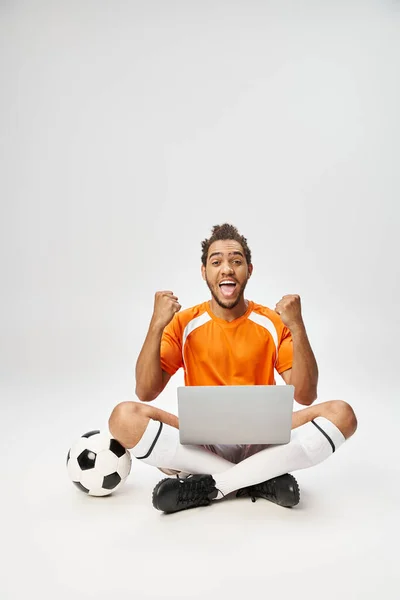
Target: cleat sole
155,492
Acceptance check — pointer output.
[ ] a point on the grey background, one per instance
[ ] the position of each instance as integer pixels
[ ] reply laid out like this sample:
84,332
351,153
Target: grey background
129,129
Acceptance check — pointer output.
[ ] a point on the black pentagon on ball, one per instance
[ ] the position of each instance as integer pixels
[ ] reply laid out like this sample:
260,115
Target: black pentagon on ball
111,481
117,448
86,460
81,487
90,433
69,454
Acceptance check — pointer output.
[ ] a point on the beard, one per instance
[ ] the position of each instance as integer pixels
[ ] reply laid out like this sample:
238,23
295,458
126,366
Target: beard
229,304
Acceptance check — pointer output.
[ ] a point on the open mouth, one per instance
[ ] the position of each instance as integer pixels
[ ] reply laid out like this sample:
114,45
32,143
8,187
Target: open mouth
227,288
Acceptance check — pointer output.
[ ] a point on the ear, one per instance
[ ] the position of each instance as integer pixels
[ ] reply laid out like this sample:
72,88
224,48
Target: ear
203,272
250,270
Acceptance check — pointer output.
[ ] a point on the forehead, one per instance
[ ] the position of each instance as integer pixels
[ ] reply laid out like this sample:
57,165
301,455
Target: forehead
225,246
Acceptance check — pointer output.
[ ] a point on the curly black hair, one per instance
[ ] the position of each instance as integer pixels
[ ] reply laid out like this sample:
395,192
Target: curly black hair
224,232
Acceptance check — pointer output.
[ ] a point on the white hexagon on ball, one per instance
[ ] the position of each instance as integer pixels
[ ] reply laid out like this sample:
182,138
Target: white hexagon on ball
77,448
98,442
106,462
124,465
92,480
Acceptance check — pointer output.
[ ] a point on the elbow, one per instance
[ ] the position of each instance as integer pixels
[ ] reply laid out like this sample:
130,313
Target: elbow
306,400
145,396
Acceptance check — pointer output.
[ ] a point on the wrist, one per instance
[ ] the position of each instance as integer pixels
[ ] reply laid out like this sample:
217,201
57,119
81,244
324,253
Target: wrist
156,327
297,329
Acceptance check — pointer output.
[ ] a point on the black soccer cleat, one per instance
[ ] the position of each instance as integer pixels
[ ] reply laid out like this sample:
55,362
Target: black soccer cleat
171,495
283,490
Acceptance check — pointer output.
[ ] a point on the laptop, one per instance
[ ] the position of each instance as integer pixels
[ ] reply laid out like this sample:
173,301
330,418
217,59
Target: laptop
243,414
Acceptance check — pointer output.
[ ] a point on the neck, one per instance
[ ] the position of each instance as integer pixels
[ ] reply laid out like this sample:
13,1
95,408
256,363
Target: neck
229,314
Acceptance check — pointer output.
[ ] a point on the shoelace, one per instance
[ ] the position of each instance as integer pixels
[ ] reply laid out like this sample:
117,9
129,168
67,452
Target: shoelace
265,488
193,491
246,492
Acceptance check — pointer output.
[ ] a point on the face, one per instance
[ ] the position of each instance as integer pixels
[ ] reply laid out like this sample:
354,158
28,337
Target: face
226,262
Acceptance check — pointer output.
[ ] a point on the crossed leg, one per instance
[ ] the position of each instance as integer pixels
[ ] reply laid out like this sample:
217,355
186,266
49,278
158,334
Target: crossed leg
152,435
131,422
337,411
317,432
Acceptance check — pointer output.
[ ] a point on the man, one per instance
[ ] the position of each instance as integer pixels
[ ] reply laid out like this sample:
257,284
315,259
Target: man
228,341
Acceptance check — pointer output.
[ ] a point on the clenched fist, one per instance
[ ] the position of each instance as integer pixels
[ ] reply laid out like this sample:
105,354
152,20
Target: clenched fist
165,306
289,310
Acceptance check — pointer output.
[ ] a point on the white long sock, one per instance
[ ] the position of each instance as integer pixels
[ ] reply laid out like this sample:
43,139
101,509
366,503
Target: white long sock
310,444
160,447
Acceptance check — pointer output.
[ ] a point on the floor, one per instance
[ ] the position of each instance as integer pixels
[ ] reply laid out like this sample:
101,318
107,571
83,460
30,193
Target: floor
59,543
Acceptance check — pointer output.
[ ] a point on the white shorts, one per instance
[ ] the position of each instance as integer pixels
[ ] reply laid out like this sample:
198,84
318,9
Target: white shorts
235,453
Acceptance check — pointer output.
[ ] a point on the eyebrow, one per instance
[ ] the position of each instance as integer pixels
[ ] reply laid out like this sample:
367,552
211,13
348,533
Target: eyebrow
235,253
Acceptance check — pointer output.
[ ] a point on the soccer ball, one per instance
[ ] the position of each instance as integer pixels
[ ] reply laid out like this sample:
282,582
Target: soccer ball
97,464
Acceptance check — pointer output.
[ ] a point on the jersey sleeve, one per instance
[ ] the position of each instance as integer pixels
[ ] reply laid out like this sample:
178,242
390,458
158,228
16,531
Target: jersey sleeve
171,348
285,352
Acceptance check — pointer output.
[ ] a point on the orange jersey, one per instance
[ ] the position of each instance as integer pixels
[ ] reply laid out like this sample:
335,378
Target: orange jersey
215,352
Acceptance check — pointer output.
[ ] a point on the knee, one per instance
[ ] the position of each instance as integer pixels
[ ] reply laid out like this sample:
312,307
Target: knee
345,416
124,421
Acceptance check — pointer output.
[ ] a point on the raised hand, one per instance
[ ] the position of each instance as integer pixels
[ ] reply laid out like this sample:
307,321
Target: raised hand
165,306
289,310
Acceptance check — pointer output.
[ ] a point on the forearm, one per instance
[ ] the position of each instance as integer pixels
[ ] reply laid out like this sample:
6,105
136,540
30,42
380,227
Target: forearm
148,366
304,374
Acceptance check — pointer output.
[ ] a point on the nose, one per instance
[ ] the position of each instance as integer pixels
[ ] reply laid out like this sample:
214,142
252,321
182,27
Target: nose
227,269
